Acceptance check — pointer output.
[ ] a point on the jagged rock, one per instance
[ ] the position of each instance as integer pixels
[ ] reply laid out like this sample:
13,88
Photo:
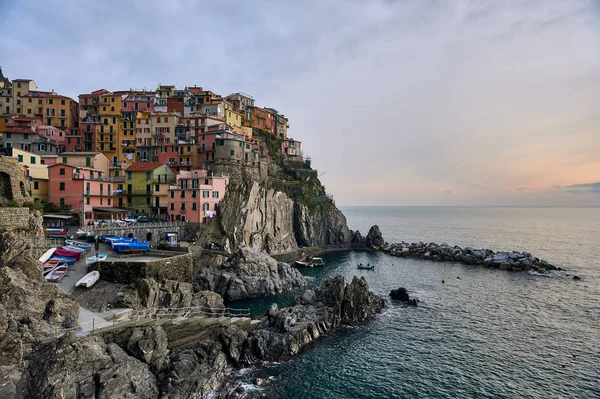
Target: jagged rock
401,294
358,241
74,367
374,238
249,274
148,344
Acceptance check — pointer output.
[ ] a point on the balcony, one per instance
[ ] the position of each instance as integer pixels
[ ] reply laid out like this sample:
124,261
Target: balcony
118,164
108,179
62,116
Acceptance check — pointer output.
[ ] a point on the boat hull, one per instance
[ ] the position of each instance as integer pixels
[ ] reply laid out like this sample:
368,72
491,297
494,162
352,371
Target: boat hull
93,259
57,274
89,279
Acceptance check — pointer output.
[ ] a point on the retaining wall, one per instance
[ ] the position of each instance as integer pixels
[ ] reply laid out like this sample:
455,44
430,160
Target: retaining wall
126,272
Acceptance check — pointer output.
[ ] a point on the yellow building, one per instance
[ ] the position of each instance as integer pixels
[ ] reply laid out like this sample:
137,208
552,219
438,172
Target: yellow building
21,88
109,132
37,174
154,130
147,187
233,117
59,111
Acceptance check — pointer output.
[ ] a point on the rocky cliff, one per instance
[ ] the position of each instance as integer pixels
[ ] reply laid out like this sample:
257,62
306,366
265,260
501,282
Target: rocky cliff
265,218
183,361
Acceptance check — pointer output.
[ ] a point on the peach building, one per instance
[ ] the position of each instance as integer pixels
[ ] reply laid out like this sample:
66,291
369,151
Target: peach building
195,196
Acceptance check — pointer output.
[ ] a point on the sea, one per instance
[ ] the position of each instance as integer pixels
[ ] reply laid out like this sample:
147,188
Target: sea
485,333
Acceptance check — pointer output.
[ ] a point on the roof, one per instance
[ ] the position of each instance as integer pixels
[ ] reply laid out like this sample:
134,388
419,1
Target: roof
109,209
144,166
195,90
80,153
53,216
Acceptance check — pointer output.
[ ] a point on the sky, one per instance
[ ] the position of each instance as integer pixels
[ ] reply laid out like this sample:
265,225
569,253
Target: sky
396,102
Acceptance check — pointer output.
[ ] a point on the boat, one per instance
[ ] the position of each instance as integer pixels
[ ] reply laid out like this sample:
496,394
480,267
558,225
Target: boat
57,273
64,259
131,247
88,280
47,255
68,253
123,241
79,244
316,262
108,239
367,267
74,248
303,264
50,265
93,259
56,232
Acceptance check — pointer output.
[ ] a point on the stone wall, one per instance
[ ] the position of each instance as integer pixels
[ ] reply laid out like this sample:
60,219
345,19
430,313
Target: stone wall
151,232
12,181
14,218
126,272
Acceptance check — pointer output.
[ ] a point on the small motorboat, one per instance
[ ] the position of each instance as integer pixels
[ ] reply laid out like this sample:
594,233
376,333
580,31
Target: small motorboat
68,253
57,273
94,259
74,248
56,232
88,280
367,267
303,264
87,247
47,255
64,259
316,262
50,265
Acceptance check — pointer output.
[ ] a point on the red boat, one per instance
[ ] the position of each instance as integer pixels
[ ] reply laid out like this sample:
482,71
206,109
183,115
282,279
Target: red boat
49,265
66,252
57,273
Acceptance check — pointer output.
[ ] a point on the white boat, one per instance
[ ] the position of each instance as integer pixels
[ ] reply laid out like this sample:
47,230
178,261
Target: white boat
88,280
47,255
78,244
303,264
74,248
93,259
57,273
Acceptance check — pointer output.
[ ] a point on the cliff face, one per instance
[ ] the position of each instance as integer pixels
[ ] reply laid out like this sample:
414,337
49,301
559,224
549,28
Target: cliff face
260,217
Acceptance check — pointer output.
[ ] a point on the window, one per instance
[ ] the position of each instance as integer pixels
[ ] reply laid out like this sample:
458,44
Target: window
206,206
88,161
172,207
215,194
194,206
61,171
62,102
87,200
183,206
231,152
32,160
26,136
156,187
64,159
62,186
36,185
20,158
8,135
62,202
128,175
50,101
172,194
205,194
148,175
125,105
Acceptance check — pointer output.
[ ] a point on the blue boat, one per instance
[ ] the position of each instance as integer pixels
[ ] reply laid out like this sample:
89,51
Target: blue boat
64,259
123,241
367,267
131,247
108,239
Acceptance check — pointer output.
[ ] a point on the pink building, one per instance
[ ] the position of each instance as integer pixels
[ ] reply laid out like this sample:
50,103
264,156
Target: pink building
53,133
74,187
207,143
290,148
139,101
196,195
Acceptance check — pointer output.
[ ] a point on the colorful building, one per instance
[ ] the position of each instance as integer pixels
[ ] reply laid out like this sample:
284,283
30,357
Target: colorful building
109,132
153,131
147,185
195,196
36,175
60,111
20,133
290,148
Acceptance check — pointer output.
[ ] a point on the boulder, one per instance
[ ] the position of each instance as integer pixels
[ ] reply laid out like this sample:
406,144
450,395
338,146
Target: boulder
374,238
401,294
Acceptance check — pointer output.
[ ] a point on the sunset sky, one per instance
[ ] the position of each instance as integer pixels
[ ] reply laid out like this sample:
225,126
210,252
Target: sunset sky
396,102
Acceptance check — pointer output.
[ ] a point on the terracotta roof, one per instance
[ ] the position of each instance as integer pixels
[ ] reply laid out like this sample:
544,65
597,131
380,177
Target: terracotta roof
195,90
144,166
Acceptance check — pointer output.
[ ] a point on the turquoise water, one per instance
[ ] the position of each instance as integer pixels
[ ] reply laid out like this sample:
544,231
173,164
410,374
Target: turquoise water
489,334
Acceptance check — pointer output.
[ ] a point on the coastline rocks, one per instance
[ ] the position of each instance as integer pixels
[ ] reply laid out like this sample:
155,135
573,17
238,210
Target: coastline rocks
249,274
401,294
314,313
512,260
374,238
358,241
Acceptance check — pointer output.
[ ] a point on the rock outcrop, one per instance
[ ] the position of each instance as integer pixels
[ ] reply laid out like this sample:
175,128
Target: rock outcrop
265,218
249,273
401,294
374,238
512,260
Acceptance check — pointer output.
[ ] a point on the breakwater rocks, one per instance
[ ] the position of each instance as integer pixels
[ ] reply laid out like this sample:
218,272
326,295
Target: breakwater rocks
512,260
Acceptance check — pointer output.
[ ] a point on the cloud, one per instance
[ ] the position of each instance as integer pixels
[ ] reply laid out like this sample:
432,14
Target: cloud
580,188
403,98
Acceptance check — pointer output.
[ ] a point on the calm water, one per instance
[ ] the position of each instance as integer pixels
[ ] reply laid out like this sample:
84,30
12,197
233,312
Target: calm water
489,334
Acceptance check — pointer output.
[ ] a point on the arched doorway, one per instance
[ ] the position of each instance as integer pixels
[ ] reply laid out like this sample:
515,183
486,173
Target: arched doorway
149,237
23,194
5,186
130,235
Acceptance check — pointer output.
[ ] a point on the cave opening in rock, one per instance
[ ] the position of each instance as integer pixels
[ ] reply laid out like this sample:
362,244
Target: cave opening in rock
5,186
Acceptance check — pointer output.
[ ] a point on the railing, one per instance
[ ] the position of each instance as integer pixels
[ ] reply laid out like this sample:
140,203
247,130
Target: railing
140,225
114,163
80,176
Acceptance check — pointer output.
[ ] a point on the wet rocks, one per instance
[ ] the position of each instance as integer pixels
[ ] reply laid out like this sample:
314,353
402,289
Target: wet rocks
512,260
401,294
